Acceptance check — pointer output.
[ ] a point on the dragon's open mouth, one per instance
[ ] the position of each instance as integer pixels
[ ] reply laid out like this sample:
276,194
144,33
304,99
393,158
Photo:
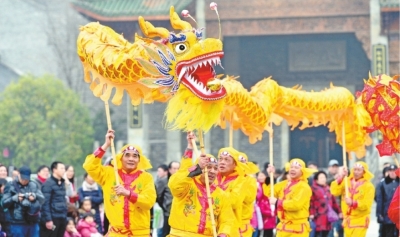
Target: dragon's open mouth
197,72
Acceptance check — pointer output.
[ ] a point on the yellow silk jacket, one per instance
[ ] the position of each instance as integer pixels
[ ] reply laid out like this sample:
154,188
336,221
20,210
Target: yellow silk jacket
362,193
293,205
128,216
249,199
236,192
190,215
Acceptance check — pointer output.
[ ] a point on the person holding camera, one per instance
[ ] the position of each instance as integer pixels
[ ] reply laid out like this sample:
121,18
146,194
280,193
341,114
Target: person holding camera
23,199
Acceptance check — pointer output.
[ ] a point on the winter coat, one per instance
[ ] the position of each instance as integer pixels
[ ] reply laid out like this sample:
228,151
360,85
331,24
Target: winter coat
25,212
384,194
320,199
268,215
55,205
86,229
96,197
164,196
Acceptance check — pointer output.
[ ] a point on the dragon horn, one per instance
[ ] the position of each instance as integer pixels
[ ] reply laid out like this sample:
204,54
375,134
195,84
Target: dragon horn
150,31
176,21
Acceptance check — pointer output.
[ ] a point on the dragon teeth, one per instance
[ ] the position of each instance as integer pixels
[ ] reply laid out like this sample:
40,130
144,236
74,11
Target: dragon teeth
182,72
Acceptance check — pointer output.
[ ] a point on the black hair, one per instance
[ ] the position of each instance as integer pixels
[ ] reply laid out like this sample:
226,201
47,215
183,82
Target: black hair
266,165
72,180
163,167
41,168
85,175
84,200
54,165
70,219
170,164
318,173
311,163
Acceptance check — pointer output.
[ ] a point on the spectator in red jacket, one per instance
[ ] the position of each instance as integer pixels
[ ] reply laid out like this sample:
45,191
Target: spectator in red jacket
320,200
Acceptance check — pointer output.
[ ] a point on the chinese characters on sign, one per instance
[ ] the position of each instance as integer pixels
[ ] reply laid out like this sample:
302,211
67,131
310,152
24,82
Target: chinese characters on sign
136,116
379,59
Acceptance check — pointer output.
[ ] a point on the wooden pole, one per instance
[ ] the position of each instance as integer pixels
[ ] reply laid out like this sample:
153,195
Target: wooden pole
209,198
107,107
271,157
230,135
195,151
346,186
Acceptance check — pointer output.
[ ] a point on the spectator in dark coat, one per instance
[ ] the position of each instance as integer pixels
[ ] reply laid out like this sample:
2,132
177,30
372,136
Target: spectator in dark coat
23,200
384,195
54,210
43,173
4,223
91,190
164,196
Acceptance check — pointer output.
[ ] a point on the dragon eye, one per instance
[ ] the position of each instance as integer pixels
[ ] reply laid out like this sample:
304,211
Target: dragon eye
180,48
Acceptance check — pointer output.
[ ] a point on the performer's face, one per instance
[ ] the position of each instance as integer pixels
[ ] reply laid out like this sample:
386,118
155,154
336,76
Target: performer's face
226,164
295,172
130,161
358,172
212,173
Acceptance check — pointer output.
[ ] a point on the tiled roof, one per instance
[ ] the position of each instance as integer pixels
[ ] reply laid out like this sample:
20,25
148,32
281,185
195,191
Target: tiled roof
128,10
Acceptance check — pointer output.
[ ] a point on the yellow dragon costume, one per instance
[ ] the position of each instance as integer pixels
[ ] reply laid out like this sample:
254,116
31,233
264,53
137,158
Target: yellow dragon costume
179,68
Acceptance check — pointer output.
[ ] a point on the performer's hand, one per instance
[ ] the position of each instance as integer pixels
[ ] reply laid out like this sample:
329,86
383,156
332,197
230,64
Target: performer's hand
203,160
189,137
341,215
348,201
345,171
121,191
272,200
270,169
312,217
107,143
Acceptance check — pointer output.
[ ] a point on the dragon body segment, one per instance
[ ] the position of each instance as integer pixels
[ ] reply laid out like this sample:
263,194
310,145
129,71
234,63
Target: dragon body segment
179,68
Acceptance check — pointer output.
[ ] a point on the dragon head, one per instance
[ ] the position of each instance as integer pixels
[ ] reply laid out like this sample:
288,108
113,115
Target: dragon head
185,58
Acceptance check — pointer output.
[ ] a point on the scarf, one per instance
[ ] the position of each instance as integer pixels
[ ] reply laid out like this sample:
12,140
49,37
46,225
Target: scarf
89,187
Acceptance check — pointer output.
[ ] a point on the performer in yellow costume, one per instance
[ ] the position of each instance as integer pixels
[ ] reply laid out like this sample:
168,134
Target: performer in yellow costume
293,201
190,215
231,179
251,193
357,207
127,205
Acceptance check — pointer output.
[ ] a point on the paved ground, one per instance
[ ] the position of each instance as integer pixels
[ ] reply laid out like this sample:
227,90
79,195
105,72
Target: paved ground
372,230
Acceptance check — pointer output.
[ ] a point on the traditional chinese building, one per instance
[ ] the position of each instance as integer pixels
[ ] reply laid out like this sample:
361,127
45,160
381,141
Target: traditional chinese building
311,43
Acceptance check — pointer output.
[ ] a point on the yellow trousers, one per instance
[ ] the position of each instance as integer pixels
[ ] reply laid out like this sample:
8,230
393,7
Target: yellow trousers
246,230
287,234
122,232
355,232
293,229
